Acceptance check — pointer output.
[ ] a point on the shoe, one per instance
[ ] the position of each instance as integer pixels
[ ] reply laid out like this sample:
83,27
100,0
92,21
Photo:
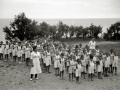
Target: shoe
36,78
19,62
63,78
31,79
60,78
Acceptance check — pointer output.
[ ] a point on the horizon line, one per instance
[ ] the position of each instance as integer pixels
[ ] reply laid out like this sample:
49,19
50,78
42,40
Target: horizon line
63,18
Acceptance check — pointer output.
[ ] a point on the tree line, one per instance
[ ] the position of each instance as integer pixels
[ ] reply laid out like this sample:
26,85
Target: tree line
25,28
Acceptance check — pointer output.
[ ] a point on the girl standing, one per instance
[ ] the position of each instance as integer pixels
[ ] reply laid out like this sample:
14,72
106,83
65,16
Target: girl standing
23,51
100,67
36,68
111,60
56,63
78,71
71,68
6,51
27,54
48,59
107,63
19,52
14,52
91,68
115,64
62,66
83,66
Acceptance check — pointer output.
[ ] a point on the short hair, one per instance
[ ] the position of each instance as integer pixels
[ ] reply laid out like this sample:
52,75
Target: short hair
34,47
62,54
91,56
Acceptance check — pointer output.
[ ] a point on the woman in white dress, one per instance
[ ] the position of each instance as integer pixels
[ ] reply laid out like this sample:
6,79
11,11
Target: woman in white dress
36,68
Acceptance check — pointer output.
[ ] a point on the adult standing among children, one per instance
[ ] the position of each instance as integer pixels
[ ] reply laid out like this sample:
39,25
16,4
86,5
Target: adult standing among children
36,68
92,44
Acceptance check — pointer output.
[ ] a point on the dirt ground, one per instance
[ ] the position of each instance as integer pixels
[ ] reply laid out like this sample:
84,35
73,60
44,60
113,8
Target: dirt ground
17,77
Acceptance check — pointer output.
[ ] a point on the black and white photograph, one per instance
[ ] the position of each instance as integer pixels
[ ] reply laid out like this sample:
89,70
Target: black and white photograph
59,44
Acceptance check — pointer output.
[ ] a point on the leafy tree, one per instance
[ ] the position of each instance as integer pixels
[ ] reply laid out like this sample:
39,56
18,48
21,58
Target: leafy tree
114,31
44,29
22,27
95,30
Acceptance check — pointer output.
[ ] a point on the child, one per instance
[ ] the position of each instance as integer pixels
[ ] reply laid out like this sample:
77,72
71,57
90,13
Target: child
95,64
62,66
111,60
103,60
107,63
67,63
14,52
78,71
75,62
115,64
6,51
48,59
83,66
56,63
44,56
0,52
27,54
10,50
100,66
23,51
97,50
90,68
19,52
71,68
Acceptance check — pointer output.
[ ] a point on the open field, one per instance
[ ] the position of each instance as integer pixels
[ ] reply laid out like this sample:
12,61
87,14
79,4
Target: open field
16,77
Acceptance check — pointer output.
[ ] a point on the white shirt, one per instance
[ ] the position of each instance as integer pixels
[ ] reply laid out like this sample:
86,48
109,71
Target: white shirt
92,44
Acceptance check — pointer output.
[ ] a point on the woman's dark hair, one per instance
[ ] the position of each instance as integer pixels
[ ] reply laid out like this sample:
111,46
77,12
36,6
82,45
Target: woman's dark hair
34,47
91,56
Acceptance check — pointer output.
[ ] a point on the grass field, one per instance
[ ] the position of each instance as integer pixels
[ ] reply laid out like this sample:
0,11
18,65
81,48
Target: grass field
17,77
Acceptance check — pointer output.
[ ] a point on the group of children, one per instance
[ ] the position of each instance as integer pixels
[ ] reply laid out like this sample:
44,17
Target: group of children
74,59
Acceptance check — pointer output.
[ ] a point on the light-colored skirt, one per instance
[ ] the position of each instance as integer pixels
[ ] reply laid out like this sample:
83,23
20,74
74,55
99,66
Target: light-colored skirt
19,53
62,67
36,69
14,52
78,72
115,64
56,63
27,54
71,69
48,61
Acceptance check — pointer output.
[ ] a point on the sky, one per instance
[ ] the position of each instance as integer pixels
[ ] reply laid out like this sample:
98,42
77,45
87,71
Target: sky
60,8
